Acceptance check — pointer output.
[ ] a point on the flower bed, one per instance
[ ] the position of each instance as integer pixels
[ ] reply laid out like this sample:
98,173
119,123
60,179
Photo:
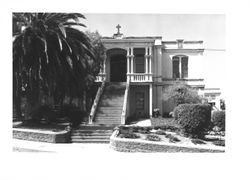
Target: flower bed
150,139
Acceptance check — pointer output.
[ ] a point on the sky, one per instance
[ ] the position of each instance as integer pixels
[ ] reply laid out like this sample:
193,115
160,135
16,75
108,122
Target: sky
207,27
210,28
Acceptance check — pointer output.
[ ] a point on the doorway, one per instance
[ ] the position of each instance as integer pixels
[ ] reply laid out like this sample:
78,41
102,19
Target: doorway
118,68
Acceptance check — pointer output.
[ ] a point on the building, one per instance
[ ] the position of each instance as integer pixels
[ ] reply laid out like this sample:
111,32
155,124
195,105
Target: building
136,72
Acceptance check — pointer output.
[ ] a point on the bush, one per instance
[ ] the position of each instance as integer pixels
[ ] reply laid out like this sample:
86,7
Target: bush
219,143
152,137
197,141
181,93
194,119
172,138
145,130
129,135
218,119
160,132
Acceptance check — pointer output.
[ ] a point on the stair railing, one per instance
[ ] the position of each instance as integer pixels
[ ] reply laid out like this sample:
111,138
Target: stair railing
96,102
125,103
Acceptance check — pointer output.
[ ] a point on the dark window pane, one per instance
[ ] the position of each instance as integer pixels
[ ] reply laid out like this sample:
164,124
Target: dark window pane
184,67
176,73
139,64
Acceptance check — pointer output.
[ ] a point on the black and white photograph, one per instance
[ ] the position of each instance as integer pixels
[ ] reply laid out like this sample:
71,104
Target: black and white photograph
78,79
100,91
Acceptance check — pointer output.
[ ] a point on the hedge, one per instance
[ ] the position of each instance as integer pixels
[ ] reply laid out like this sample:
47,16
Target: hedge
194,119
218,119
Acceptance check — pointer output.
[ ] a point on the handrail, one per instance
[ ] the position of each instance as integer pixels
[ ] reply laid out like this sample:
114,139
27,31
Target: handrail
125,102
96,102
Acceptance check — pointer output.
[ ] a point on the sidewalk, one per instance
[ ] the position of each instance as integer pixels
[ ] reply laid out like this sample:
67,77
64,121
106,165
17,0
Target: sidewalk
32,146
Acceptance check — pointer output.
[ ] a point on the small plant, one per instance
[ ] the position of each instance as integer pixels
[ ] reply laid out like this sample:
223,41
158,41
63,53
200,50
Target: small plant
152,137
144,130
197,141
160,132
156,112
219,143
172,138
129,135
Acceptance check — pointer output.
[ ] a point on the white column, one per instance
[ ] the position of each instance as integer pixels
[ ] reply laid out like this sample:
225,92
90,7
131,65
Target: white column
104,65
150,63
128,69
104,68
180,67
146,62
132,62
150,100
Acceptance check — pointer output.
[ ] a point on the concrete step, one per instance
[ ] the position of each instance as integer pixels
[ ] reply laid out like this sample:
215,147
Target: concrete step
89,137
90,127
110,111
90,141
111,115
111,104
105,106
86,131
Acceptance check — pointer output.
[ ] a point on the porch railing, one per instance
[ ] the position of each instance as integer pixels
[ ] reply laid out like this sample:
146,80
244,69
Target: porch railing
96,102
140,77
125,104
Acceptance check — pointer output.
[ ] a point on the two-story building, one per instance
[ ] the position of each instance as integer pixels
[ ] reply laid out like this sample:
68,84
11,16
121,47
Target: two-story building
137,71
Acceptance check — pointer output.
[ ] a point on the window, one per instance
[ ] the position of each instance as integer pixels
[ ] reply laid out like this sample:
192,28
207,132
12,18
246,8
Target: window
180,66
139,63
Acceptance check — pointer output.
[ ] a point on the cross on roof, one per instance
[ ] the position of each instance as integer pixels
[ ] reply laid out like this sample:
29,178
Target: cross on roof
118,28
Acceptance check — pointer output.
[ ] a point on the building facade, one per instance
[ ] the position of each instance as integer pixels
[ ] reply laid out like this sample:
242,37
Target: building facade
148,65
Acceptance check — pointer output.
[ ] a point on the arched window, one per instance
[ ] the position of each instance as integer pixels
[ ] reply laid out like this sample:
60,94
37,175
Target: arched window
180,66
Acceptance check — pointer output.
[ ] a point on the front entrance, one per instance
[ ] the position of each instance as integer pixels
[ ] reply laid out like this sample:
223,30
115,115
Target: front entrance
139,101
118,68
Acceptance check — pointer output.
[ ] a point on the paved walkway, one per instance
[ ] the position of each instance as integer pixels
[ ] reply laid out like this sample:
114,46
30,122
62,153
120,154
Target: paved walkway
32,146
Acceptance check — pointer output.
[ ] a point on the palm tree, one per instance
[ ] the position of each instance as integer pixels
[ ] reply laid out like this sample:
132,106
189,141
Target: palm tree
51,57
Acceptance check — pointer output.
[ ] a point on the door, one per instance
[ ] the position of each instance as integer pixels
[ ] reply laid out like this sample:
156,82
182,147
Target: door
139,104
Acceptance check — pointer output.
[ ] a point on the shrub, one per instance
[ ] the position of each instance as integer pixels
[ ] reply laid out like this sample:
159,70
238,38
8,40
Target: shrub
160,132
129,135
219,143
194,119
218,119
181,93
172,138
152,137
197,141
145,130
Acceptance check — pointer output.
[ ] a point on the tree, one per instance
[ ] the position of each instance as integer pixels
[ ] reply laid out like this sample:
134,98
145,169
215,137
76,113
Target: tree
181,94
51,57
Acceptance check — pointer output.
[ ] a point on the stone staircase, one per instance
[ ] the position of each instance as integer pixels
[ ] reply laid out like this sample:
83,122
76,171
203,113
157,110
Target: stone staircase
108,115
91,134
109,109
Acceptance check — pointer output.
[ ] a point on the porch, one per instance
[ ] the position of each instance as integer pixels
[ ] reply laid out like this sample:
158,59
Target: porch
127,64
